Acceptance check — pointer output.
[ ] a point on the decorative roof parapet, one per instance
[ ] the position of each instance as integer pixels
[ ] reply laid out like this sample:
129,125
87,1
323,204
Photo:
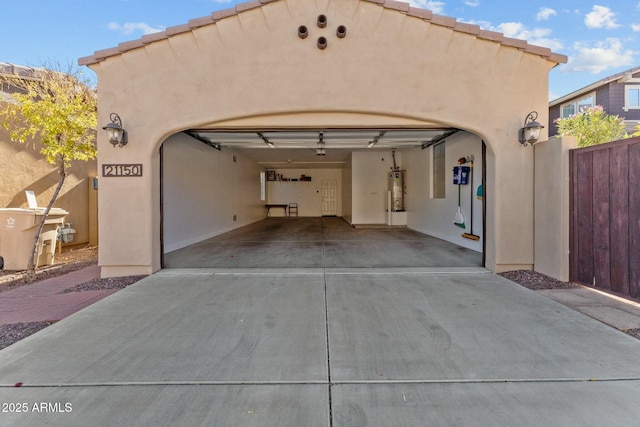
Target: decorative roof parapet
443,21
154,37
178,29
558,57
467,28
426,15
241,7
105,53
491,35
420,13
224,13
200,22
134,44
517,43
396,5
539,50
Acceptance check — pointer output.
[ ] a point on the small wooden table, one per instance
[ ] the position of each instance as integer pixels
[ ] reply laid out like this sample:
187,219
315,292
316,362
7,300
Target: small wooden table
276,205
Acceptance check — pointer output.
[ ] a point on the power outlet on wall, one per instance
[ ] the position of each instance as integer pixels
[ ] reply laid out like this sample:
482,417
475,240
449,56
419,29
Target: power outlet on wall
235,217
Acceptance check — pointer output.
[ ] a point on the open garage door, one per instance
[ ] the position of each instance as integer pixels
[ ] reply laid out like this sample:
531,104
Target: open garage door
220,181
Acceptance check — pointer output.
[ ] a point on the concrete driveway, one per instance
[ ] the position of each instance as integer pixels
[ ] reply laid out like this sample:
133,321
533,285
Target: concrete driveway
327,346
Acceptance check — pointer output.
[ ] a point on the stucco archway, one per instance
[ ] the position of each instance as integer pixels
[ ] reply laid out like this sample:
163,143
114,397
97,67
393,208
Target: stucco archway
243,67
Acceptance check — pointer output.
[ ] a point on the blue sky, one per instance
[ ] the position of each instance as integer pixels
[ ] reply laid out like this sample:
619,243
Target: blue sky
600,37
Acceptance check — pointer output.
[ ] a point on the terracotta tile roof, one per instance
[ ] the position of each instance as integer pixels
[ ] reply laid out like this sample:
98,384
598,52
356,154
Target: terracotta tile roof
402,7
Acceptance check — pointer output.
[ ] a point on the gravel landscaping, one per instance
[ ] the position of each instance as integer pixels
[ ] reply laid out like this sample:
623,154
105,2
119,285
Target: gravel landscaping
101,284
536,281
12,333
633,332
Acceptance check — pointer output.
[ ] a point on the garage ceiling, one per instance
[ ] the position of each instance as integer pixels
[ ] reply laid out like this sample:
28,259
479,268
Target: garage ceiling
323,148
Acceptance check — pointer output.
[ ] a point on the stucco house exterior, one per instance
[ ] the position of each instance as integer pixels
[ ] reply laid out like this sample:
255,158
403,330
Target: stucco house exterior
211,105
618,94
24,168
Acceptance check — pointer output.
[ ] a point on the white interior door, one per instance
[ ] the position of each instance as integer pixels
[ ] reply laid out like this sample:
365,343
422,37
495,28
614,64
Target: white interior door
329,198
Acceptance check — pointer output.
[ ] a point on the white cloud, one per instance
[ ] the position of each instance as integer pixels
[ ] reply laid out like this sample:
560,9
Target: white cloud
605,54
601,17
536,36
434,6
635,27
131,27
472,3
545,13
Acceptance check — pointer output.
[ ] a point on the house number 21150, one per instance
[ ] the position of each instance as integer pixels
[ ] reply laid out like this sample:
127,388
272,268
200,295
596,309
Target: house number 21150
121,170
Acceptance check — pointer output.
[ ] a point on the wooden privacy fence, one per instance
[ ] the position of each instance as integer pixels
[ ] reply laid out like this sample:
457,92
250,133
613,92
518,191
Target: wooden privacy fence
605,216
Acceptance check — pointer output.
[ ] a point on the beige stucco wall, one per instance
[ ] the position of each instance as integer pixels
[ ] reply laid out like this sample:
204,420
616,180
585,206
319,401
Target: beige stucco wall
251,70
551,212
24,168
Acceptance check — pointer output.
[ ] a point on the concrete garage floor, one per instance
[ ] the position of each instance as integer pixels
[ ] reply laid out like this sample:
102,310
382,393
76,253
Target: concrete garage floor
321,243
324,346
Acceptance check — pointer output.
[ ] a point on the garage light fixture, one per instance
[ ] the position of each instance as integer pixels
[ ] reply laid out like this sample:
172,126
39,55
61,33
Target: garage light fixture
116,134
531,130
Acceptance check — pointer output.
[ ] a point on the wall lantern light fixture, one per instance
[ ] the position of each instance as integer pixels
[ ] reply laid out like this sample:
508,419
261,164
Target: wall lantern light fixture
531,130
116,134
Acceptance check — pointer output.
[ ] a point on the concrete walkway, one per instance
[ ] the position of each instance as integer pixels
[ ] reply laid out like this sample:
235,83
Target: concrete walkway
324,347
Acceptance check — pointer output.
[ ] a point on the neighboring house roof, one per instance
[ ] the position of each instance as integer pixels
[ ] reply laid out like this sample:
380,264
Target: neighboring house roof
426,15
19,70
621,77
13,70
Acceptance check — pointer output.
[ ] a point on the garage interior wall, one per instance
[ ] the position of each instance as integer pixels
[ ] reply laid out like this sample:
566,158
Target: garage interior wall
369,183
307,194
204,189
433,216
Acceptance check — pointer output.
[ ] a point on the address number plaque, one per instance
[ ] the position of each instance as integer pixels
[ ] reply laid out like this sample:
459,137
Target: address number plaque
109,171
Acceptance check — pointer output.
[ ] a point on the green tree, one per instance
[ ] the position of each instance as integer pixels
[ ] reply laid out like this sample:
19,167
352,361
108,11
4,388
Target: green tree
592,126
57,112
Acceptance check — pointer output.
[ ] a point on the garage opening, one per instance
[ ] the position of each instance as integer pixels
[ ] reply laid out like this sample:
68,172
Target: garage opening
322,198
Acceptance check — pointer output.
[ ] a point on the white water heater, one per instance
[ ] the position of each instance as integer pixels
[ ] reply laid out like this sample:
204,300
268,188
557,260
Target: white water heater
396,188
